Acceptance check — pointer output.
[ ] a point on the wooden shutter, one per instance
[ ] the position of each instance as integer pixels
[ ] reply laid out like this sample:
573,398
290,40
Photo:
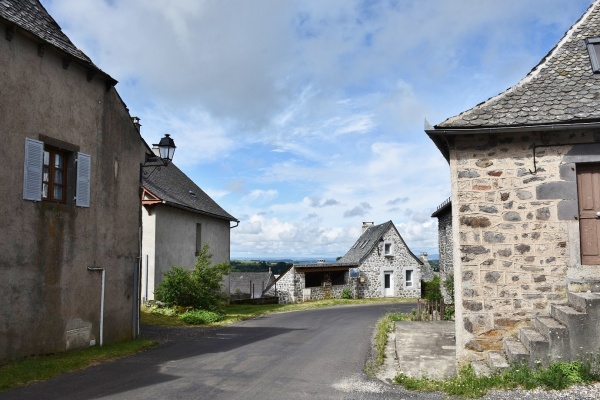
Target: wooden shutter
588,189
32,171
84,169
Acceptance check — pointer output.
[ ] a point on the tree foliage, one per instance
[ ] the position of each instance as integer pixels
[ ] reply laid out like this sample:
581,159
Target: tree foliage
199,288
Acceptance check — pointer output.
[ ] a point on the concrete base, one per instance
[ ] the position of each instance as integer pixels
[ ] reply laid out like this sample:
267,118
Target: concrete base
426,349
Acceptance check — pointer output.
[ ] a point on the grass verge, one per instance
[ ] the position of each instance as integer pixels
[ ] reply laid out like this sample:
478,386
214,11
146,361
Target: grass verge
240,312
466,384
41,368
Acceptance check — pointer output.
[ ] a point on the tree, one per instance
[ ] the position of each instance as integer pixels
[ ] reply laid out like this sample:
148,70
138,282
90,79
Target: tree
199,288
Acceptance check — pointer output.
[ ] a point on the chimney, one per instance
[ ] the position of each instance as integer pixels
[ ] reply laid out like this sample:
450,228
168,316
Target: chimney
136,123
424,256
367,225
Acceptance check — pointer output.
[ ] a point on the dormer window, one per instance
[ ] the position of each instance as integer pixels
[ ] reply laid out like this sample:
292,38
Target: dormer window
593,48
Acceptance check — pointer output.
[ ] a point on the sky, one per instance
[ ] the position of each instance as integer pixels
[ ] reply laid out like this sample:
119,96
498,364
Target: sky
305,118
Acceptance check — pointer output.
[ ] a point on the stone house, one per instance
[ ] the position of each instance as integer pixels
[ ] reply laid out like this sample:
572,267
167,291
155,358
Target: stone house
69,190
525,167
444,216
379,264
178,218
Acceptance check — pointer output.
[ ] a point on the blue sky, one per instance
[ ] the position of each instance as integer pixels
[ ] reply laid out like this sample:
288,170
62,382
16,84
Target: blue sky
305,118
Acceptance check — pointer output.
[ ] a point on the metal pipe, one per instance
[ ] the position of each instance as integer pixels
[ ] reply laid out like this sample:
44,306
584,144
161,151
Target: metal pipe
101,301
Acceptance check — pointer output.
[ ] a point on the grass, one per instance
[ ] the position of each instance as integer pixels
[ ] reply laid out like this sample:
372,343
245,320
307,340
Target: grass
240,312
466,384
40,368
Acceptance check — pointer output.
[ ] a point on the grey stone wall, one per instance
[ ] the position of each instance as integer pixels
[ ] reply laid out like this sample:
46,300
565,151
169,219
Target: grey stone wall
445,244
515,228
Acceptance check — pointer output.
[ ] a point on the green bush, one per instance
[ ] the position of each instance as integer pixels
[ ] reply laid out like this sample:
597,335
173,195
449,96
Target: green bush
346,294
431,290
199,288
200,317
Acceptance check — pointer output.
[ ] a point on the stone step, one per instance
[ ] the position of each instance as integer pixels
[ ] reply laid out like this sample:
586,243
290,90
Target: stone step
497,361
584,285
516,353
567,315
557,335
584,302
549,326
481,368
537,345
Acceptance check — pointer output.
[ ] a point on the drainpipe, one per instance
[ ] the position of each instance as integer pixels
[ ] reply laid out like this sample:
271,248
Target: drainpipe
101,301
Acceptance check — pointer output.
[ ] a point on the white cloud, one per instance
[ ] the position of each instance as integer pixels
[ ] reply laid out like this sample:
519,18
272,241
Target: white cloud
305,118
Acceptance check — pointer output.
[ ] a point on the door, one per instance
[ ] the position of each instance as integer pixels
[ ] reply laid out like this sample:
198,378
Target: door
588,189
388,284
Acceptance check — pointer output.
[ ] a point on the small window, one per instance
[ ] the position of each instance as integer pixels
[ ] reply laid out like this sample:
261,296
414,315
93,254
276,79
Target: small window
409,277
198,239
593,48
54,175
388,249
48,170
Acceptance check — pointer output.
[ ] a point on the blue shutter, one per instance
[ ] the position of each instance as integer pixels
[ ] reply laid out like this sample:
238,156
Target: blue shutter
32,171
84,167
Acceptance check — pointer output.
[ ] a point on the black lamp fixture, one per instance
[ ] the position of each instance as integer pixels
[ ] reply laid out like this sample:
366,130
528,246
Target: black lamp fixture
166,150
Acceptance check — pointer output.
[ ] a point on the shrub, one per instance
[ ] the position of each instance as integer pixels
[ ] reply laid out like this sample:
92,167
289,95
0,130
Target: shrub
346,293
199,288
431,290
200,317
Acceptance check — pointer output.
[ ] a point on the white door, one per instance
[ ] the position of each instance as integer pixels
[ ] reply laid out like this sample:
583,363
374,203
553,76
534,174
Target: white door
388,284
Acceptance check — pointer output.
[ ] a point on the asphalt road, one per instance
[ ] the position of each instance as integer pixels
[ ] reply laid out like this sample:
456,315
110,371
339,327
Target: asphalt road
314,354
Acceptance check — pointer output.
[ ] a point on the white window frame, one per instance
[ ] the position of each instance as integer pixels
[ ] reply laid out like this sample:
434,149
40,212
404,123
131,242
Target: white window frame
33,173
592,47
390,246
409,283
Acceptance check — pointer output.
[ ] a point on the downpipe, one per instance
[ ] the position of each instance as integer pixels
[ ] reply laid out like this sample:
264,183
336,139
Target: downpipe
101,301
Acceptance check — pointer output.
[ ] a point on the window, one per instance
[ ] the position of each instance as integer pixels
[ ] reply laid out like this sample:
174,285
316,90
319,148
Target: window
388,249
593,48
409,277
47,171
198,239
54,176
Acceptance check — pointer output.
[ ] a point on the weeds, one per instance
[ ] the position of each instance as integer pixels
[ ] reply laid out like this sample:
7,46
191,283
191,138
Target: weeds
466,384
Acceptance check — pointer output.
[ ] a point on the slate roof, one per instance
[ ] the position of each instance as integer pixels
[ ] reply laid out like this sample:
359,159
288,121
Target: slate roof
242,281
366,243
561,89
32,17
360,250
175,188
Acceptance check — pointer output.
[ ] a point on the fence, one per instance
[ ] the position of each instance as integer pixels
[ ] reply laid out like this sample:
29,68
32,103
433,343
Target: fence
430,310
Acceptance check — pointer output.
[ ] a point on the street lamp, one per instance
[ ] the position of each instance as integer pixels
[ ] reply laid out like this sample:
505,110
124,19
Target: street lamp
166,150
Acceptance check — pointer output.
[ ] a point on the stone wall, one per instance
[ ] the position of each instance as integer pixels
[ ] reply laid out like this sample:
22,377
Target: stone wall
445,249
377,263
516,230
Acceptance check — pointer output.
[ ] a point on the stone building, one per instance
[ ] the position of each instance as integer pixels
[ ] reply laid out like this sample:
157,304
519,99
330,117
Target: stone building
379,264
444,216
525,167
70,193
178,218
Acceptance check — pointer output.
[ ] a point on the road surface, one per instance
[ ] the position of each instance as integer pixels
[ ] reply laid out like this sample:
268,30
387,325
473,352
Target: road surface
313,354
